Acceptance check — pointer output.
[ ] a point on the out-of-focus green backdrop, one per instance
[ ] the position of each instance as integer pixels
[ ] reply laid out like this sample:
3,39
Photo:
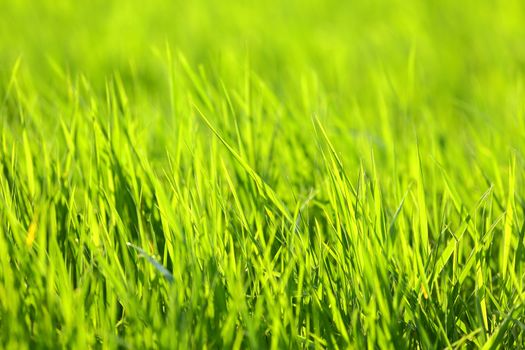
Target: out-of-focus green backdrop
471,44
441,63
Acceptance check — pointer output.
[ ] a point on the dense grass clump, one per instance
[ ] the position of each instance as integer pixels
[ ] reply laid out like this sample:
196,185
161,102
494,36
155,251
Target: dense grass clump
299,174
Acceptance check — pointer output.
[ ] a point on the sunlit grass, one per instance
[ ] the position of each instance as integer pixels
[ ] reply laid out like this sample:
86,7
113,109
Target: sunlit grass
277,175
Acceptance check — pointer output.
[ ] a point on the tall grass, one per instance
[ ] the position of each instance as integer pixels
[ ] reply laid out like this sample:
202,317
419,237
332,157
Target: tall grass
302,174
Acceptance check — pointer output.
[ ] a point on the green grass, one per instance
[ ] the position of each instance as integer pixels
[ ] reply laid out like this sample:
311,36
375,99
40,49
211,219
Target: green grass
278,174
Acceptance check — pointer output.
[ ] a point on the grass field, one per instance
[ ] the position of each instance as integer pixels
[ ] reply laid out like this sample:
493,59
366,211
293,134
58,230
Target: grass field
278,174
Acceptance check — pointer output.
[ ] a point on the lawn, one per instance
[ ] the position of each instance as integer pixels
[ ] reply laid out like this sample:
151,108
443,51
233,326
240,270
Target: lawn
262,174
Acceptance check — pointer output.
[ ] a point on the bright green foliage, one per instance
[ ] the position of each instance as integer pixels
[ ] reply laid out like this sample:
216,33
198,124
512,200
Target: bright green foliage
270,174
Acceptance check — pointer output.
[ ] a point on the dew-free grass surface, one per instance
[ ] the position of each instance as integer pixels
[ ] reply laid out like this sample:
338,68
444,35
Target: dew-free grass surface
262,174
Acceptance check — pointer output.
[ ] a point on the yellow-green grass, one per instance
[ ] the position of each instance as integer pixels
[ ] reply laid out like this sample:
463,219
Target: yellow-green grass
277,174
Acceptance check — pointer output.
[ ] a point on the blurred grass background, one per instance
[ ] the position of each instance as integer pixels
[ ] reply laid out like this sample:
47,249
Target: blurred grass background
377,68
344,42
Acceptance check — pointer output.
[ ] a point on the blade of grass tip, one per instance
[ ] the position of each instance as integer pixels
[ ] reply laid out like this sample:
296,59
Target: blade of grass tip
236,200
13,78
31,182
391,228
196,81
334,153
448,251
163,271
265,189
328,142
421,201
507,232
